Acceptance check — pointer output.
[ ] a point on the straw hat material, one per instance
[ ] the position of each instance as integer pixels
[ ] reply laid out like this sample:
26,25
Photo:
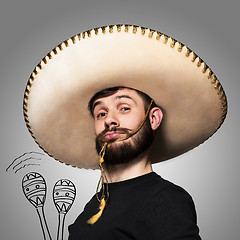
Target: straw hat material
61,85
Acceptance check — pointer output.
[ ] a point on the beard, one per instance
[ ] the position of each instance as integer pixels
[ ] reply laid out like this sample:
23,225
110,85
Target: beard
126,151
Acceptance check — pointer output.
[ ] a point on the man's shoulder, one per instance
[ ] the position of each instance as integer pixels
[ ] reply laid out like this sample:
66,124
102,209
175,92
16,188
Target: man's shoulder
168,199
166,193
168,212
165,186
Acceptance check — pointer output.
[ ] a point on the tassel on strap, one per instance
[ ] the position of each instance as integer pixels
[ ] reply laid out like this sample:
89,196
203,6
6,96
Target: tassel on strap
95,217
103,200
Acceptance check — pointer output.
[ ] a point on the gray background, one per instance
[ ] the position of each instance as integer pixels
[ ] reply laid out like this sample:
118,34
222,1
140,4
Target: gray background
30,29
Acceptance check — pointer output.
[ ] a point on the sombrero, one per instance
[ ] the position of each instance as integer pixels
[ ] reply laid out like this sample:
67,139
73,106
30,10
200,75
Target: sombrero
180,82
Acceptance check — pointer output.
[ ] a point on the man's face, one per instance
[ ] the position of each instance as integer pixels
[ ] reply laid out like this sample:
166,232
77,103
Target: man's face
118,116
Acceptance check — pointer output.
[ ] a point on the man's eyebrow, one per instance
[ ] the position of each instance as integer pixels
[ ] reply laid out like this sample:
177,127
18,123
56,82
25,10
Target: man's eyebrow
117,97
95,104
125,96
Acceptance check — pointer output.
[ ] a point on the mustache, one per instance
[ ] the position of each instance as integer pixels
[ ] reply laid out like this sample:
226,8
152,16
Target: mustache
100,136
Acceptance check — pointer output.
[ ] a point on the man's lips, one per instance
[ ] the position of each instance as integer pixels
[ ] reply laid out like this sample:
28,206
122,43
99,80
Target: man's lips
112,135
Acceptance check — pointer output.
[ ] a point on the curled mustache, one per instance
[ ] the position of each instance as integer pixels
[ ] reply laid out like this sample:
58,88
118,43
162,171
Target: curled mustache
100,136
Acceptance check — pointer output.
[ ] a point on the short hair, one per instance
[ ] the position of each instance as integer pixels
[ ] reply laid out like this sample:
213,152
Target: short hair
110,91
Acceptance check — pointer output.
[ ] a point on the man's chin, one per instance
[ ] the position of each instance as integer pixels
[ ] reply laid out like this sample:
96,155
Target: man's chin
116,145
112,141
125,151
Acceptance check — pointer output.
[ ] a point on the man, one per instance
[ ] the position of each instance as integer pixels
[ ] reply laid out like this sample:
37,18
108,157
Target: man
117,71
141,204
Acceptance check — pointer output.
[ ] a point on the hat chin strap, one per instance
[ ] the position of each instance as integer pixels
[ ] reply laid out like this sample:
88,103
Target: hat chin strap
103,176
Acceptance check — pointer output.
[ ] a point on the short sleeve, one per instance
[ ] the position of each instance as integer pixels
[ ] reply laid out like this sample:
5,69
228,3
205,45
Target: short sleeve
168,215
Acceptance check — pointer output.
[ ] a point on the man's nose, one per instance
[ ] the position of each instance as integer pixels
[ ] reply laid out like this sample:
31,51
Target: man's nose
111,121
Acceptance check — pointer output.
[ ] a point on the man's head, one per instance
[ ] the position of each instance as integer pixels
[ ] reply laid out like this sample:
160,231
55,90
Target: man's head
117,113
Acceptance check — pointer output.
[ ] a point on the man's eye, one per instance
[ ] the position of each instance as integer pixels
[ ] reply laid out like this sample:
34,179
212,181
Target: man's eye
125,109
102,114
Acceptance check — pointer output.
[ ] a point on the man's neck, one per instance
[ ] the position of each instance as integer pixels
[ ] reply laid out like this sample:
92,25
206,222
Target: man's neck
122,172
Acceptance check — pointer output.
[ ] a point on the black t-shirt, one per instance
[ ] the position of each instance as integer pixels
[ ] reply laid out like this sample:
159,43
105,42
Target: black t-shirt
143,208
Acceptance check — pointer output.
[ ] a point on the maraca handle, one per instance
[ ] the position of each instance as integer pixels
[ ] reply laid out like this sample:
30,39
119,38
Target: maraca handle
61,220
46,233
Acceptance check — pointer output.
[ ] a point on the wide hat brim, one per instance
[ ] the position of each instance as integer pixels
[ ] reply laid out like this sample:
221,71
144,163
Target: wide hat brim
61,85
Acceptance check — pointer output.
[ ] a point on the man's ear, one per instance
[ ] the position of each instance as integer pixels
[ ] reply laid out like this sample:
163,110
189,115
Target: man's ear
155,117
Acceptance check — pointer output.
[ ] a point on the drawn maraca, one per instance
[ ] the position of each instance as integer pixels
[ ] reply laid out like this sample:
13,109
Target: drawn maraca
34,188
64,193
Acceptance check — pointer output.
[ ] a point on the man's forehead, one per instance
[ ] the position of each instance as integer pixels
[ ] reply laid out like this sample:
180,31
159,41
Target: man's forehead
121,94
125,93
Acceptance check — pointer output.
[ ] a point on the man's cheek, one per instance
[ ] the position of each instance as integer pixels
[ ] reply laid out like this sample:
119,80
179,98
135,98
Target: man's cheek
98,129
